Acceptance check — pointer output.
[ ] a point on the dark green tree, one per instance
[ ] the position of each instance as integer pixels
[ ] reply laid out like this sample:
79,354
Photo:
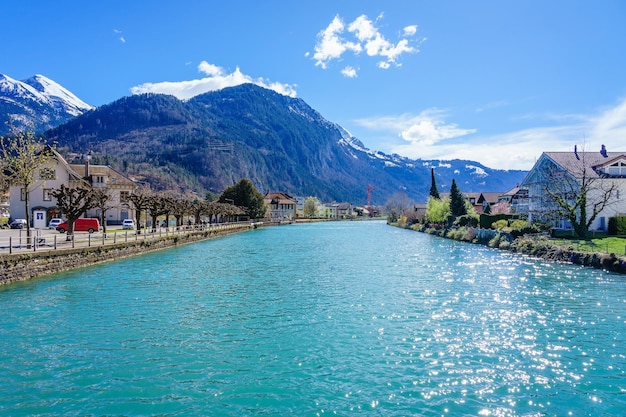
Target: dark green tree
244,194
434,193
457,201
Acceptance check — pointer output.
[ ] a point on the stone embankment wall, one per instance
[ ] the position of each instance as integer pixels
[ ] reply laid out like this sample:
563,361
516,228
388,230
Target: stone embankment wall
24,266
537,246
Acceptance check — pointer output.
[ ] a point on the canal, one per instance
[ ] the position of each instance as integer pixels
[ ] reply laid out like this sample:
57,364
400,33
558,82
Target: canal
336,318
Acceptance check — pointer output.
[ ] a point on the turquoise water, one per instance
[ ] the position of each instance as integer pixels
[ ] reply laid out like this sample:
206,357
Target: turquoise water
344,318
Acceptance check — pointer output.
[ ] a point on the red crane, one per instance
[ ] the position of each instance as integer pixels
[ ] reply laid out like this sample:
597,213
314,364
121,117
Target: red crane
369,195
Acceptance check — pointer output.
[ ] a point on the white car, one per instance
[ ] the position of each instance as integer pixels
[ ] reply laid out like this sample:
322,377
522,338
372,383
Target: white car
18,224
54,223
128,224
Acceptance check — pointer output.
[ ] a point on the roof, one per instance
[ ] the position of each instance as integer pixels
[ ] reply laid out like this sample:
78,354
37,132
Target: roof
491,197
574,162
104,171
280,198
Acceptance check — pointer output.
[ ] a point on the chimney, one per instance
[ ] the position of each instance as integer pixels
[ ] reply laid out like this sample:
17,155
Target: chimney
87,159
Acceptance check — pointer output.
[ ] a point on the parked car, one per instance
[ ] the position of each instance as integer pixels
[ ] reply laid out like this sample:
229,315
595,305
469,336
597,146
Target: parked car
18,224
128,224
81,225
54,223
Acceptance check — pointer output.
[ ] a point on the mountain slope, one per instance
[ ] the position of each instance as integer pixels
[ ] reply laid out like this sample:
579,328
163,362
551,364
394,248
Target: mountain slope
280,143
37,104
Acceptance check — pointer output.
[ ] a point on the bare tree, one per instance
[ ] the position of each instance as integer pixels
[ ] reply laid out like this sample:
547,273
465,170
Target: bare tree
101,199
73,202
396,205
23,156
182,206
138,201
155,205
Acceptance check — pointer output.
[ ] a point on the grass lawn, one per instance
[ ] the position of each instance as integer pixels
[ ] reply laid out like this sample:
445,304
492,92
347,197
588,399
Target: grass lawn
616,245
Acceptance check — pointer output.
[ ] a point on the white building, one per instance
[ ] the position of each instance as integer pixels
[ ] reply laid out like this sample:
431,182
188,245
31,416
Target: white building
563,173
57,171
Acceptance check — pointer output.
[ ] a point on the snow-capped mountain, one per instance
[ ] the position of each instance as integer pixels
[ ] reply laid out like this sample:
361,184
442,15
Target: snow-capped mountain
36,104
280,143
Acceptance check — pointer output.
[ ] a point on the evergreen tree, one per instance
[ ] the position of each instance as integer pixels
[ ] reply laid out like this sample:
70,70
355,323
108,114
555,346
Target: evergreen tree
244,194
457,201
434,193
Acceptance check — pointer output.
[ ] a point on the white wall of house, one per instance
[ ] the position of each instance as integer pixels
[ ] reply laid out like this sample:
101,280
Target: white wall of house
50,176
55,173
617,206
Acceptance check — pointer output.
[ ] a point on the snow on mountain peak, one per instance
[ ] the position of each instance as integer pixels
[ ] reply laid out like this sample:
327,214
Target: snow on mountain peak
36,103
59,95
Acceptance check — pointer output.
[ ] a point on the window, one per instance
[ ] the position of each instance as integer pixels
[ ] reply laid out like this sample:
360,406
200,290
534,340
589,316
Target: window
99,180
124,196
47,174
46,194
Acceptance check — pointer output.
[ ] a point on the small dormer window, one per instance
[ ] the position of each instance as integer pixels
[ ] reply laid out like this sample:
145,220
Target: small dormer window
99,179
617,169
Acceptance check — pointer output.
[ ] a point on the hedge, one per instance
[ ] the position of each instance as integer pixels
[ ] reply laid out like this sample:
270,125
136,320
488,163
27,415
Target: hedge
617,226
486,220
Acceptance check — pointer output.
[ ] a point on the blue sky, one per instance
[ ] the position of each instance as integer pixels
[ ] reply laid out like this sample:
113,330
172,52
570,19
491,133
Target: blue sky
496,82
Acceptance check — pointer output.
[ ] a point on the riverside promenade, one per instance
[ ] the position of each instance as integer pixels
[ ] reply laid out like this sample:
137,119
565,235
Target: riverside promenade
49,252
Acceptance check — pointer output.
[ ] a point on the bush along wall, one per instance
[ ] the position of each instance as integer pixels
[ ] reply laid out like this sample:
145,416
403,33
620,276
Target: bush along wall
486,220
533,245
617,226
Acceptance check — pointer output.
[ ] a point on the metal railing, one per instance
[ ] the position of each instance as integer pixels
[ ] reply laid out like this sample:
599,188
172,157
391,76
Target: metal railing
50,241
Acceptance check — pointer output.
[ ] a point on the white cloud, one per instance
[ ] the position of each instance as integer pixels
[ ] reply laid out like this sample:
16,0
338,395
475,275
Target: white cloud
217,79
210,69
332,46
410,30
427,128
349,72
429,136
120,38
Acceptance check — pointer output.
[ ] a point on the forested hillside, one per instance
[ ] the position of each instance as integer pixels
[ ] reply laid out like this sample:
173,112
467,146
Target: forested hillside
279,143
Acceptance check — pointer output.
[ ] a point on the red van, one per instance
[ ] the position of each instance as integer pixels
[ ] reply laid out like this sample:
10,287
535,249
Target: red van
81,225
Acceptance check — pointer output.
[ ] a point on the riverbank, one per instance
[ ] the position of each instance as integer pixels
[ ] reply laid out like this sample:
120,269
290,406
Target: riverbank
537,246
28,265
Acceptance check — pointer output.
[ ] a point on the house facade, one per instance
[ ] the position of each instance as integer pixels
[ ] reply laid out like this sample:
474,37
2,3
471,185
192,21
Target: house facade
280,206
478,200
516,198
57,172
562,173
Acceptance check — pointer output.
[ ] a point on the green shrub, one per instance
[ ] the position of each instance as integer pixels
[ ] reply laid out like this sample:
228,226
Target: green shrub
500,224
487,220
505,244
495,241
617,226
467,220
